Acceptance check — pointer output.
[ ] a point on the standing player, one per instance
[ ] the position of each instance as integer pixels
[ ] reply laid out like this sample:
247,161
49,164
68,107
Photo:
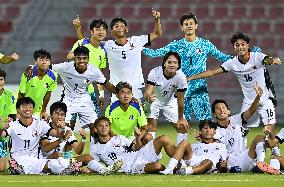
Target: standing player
230,133
8,59
126,116
162,84
249,67
97,57
200,157
40,85
193,52
61,139
76,77
124,54
25,135
6,107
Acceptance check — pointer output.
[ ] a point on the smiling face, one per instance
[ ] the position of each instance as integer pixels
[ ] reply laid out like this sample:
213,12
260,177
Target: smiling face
189,27
99,33
221,112
81,62
241,47
171,65
119,30
25,110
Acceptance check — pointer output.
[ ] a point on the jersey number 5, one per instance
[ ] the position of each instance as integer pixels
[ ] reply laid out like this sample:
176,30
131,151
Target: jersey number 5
123,54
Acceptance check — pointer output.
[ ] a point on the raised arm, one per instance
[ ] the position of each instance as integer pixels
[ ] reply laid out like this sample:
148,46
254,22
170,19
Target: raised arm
206,74
252,109
78,28
8,59
158,29
79,147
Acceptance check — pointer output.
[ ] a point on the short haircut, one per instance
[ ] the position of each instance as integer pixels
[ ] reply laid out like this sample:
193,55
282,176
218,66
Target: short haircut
96,23
2,73
101,118
121,85
58,106
210,123
187,16
25,101
81,50
218,101
175,54
41,53
115,20
239,35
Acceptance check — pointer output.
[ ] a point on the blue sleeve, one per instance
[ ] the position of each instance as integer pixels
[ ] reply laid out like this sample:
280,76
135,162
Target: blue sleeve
215,53
158,52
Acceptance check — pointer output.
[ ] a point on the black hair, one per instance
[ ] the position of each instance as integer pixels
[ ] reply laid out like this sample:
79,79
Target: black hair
121,85
101,118
218,101
41,53
58,106
96,23
81,50
175,54
2,73
187,16
115,20
25,101
239,35
210,123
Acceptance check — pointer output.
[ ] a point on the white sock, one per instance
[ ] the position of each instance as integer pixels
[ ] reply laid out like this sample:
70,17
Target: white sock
245,141
276,151
189,170
96,166
55,166
153,134
180,137
172,164
260,151
182,163
275,163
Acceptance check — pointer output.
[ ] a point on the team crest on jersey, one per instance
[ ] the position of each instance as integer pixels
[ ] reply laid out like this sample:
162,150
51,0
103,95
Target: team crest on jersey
131,117
34,133
254,67
46,85
132,46
199,50
87,81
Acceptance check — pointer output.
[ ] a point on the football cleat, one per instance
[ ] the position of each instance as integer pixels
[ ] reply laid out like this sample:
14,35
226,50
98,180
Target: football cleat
113,168
266,168
15,168
73,169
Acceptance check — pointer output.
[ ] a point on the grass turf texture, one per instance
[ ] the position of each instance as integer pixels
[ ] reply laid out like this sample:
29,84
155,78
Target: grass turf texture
244,179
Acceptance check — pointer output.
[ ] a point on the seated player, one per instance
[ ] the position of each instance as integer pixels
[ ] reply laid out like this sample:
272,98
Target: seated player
201,157
7,101
25,135
4,59
135,157
61,140
163,83
229,132
126,116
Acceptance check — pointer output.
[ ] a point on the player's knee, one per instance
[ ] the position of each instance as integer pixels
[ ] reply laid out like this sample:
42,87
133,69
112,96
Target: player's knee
158,166
163,139
183,143
147,138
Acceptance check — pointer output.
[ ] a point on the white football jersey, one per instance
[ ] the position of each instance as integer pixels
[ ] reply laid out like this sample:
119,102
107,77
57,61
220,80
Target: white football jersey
250,73
215,151
115,149
232,136
60,147
125,61
280,136
25,139
75,84
166,88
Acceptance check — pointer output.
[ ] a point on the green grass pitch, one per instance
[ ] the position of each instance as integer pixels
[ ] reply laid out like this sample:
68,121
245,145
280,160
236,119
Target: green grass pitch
218,180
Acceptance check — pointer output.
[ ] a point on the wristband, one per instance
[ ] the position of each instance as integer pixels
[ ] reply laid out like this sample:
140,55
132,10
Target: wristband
101,93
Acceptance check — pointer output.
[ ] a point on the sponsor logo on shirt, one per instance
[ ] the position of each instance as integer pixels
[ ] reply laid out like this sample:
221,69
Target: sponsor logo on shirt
131,117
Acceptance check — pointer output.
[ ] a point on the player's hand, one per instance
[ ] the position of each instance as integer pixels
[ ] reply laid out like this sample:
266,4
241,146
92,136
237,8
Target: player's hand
61,124
268,131
6,125
101,102
137,132
77,22
276,61
258,90
182,123
43,115
150,97
156,14
14,56
134,100
82,133
67,135
29,71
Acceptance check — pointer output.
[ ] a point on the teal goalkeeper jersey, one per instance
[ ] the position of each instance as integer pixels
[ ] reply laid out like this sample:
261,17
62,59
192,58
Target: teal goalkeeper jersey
193,60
